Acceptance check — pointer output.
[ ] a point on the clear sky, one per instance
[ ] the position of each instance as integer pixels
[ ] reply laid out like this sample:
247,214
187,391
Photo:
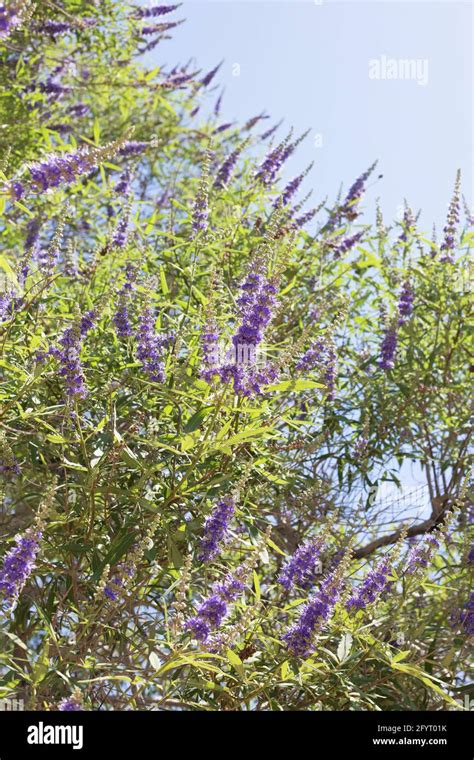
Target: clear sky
312,64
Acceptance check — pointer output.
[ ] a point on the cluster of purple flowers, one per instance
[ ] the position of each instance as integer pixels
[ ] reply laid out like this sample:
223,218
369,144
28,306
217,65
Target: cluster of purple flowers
155,10
200,210
405,303
272,163
421,554
302,567
151,346
256,303
388,348
158,29
18,564
8,461
312,357
120,235
207,79
209,339
54,28
122,318
408,226
132,148
321,355
375,583
212,611
349,207
449,240
317,611
225,171
70,704
291,188
123,184
346,244
215,528
118,581
57,169
11,16
68,354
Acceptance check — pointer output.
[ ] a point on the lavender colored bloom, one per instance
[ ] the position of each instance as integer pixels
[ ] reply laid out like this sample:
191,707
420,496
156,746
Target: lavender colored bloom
124,572
120,235
60,169
330,372
312,357
469,214
405,303
200,211
408,225
314,615
11,16
69,704
18,564
132,148
207,79
155,10
150,347
123,184
68,355
349,207
225,171
17,190
54,89
256,303
292,187
449,240
223,127
272,163
212,611
54,28
158,29
215,528
388,348
470,557
304,218
270,131
217,107
254,120
121,318
345,245
79,110
420,555
375,583
301,568
360,447
209,339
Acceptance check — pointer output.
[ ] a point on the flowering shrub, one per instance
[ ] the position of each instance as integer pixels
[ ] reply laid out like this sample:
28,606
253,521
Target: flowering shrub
203,382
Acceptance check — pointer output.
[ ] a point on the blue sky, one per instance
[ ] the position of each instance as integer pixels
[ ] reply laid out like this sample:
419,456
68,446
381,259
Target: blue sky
308,63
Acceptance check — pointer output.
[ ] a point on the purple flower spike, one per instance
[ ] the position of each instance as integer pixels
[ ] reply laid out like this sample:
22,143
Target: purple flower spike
215,529
405,303
388,348
449,242
302,567
18,564
375,583
151,346
69,704
315,614
420,555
